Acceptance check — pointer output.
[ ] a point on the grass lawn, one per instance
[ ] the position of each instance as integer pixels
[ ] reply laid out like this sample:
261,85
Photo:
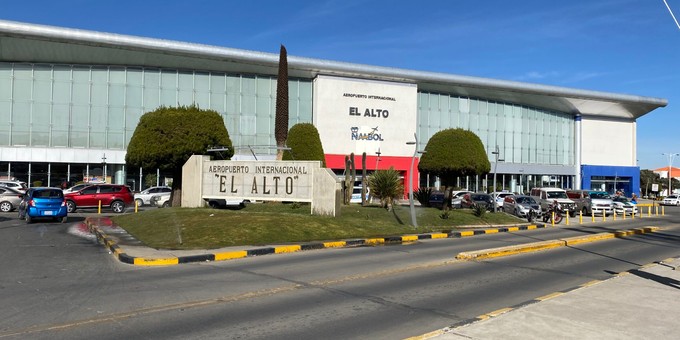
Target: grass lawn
277,223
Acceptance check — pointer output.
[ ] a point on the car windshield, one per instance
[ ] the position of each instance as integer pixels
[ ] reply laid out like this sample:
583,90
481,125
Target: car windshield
557,194
599,195
525,200
621,199
479,197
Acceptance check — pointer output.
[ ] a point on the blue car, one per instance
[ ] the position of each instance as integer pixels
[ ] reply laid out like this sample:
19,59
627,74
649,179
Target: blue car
43,203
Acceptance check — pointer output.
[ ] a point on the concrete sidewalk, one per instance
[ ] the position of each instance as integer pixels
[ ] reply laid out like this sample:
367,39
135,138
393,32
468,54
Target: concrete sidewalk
639,304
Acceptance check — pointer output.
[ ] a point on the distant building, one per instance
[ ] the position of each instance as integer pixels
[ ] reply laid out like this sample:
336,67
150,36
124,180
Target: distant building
71,99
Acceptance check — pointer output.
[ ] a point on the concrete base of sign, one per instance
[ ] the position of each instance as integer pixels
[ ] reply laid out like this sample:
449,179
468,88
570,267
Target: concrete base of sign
289,181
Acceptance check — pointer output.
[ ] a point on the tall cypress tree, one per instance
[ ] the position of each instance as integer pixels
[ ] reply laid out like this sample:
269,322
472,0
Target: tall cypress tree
281,122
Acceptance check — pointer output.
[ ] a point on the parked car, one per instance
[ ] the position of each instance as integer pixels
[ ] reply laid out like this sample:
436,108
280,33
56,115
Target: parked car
622,204
436,199
223,203
499,197
160,201
144,197
9,199
43,203
520,205
671,200
114,196
591,202
469,200
457,198
16,185
546,196
76,187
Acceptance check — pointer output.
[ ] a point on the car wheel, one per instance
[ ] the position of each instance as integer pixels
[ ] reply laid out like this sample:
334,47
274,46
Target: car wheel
29,220
70,206
213,204
6,207
139,202
118,207
166,204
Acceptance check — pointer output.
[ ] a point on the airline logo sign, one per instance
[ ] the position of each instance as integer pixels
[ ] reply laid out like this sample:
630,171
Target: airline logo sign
359,115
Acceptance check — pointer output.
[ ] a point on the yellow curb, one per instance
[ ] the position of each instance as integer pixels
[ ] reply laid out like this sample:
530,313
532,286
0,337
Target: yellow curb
549,296
590,283
287,249
409,238
374,241
439,236
490,231
592,238
155,262
336,244
230,255
467,233
494,313
513,229
509,250
543,245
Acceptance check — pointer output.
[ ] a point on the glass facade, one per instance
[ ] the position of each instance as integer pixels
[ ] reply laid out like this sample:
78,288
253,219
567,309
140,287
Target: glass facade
98,107
524,135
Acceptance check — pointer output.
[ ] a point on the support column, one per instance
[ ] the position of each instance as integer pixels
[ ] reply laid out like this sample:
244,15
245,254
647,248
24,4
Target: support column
577,151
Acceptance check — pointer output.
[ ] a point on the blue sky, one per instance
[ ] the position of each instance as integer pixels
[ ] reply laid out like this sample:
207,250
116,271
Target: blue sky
620,46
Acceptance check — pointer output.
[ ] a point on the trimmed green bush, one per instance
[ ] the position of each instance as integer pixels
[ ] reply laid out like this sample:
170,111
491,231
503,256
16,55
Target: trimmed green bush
305,144
453,153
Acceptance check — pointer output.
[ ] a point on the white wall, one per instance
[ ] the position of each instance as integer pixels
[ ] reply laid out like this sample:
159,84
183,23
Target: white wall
344,106
608,142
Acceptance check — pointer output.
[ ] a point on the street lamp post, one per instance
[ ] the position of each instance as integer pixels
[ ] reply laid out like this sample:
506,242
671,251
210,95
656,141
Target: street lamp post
496,154
104,166
410,179
670,164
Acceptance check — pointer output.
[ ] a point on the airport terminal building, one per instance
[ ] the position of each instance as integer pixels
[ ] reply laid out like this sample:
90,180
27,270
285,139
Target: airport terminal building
70,101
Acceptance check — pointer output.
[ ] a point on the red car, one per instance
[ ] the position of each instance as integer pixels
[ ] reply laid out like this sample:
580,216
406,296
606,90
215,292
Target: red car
114,196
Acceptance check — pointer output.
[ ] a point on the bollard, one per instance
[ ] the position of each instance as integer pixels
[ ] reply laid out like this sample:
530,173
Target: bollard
99,208
136,206
663,211
580,217
604,217
592,216
553,218
624,214
614,214
649,211
566,212
632,213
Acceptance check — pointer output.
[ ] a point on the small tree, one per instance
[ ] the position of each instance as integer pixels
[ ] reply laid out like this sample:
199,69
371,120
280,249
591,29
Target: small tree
386,186
452,153
166,138
305,144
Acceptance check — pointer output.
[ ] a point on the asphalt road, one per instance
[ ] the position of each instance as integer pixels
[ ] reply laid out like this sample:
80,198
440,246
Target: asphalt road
55,284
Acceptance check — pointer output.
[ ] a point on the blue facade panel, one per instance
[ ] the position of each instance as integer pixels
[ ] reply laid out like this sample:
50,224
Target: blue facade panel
611,178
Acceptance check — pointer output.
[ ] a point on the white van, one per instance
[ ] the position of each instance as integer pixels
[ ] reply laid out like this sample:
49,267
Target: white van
545,197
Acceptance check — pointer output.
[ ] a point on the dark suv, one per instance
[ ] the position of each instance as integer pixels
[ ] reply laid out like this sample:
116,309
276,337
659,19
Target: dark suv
115,196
